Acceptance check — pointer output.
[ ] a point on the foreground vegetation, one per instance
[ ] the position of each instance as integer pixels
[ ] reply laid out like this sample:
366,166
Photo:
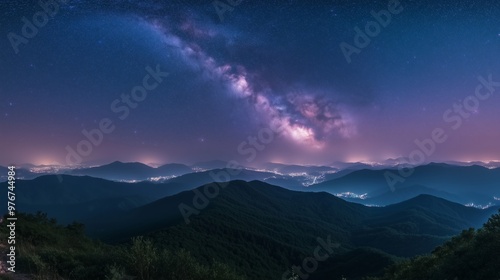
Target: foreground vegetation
474,254
47,250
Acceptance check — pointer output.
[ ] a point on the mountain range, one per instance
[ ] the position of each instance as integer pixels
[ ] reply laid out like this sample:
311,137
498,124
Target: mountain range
471,185
475,185
260,229
121,171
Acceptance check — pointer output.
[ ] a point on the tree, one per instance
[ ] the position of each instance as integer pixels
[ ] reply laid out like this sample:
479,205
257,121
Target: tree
143,257
493,224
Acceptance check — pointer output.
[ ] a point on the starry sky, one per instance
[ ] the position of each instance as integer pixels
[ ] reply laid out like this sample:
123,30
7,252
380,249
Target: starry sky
236,71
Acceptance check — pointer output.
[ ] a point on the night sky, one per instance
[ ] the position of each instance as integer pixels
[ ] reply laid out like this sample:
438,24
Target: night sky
265,64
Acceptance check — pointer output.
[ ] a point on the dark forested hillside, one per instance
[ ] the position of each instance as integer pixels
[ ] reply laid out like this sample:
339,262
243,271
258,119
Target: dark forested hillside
47,250
253,224
258,230
474,255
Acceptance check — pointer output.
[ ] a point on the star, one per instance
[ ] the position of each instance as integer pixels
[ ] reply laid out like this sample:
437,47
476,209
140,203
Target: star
239,81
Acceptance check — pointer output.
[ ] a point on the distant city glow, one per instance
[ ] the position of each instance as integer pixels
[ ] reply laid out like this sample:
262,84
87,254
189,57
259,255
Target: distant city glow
352,195
161,178
479,206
